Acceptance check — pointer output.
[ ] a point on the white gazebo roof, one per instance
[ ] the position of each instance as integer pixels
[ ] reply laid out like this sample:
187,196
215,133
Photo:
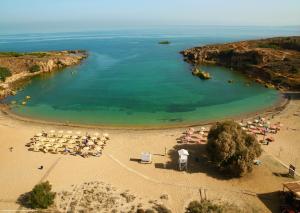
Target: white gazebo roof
183,152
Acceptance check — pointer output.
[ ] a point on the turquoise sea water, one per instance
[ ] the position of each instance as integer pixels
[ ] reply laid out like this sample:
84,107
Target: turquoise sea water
129,79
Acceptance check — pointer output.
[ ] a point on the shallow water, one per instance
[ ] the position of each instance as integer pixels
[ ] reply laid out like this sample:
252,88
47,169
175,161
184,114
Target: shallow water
129,79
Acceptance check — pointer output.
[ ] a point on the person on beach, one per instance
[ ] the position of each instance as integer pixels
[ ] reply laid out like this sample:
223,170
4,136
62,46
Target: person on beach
41,167
11,149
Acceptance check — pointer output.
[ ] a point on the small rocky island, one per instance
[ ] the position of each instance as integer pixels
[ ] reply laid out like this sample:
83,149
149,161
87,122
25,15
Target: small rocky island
201,74
15,67
274,62
164,42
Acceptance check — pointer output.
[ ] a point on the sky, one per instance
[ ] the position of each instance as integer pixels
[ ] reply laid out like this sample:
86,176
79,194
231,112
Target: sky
92,14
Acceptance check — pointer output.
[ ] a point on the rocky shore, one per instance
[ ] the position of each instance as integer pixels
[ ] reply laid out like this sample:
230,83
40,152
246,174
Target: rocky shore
274,62
21,66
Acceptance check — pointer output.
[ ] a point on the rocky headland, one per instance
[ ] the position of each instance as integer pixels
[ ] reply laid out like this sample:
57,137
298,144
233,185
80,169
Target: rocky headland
274,62
16,67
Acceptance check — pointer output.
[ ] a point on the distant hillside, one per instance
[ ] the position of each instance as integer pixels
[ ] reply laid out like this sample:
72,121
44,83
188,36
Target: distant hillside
17,66
272,61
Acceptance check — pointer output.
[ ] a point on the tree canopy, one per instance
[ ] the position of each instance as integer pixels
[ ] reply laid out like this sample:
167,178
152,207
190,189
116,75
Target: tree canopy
232,148
40,196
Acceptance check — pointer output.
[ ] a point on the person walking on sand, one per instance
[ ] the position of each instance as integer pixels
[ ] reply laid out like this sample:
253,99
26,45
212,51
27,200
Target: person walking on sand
11,149
41,167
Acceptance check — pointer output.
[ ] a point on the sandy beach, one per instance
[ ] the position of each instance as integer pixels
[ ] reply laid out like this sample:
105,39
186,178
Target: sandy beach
255,192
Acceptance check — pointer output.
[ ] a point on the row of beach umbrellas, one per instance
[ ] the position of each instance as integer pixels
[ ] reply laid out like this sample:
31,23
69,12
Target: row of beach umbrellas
70,143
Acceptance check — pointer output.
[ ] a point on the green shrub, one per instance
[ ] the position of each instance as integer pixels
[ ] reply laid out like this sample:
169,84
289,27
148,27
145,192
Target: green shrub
34,68
40,196
232,149
205,206
161,208
4,73
272,46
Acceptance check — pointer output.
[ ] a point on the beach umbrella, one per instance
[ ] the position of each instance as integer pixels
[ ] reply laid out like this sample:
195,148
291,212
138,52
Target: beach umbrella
52,131
60,131
84,137
69,132
72,141
39,134
183,152
249,122
263,119
57,146
94,138
188,138
106,135
98,148
103,139
243,128
96,134
86,148
62,140
78,133
90,143
256,121
252,127
241,124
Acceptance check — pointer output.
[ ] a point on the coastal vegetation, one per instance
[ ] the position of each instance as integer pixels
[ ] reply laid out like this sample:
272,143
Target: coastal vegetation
164,42
41,196
273,61
4,73
232,148
208,206
34,68
19,54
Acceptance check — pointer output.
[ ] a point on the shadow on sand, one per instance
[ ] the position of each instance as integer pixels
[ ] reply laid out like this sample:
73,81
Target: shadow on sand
271,200
198,161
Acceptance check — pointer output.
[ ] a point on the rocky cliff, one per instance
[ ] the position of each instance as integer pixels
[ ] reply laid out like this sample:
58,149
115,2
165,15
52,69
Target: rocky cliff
25,65
273,62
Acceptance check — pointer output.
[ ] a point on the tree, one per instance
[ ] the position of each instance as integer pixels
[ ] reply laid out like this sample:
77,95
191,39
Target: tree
232,149
4,73
40,196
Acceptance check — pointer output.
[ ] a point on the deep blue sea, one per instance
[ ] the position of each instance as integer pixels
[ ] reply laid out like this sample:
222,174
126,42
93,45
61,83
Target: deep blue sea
130,79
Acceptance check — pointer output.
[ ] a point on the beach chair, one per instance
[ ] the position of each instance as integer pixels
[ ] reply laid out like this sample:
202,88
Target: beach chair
146,157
